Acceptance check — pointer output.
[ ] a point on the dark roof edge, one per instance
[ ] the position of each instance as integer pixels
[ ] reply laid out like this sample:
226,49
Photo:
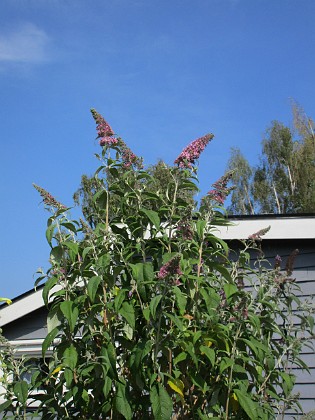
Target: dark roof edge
271,216
23,295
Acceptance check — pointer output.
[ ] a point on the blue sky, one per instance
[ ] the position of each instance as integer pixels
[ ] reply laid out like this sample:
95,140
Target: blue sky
161,72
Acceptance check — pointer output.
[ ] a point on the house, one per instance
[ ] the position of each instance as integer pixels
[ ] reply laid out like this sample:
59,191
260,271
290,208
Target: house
24,322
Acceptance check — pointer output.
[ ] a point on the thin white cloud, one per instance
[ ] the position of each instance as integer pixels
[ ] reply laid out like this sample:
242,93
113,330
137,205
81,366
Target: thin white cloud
24,44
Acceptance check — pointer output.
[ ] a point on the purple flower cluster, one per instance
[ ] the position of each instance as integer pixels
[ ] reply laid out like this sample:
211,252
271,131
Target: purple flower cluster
192,152
104,130
128,157
290,262
257,236
220,190
278,261
171,268
184,229
48,198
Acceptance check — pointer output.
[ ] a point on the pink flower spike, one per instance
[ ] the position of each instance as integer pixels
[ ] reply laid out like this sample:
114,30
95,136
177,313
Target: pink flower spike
192,152
108,141
48,199
170,268
221,191
102,127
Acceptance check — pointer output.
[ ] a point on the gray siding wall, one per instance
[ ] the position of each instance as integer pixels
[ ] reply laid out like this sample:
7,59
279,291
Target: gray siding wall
304,273
32,326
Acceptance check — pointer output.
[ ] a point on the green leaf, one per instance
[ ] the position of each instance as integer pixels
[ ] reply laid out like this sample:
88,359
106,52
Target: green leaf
223,270
49,340
142,273
56,253
74,248
247,404
119,298
146,313
70,357
153,216
177,385
182,356
68,374
86,251
181,299
201,224
162,405
154,304
100,198
21,391
128,312
288,382
225,364
69,226
50,233
121,402
92,287
71,313
230,290
5,405
107,386
53,320
50,283
210,353
211,298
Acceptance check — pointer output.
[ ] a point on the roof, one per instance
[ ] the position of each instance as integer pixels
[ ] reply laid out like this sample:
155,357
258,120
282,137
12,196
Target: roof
21,306
281,227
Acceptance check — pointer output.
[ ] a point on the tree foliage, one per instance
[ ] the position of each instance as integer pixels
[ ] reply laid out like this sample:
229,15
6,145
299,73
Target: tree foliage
149,316
283,181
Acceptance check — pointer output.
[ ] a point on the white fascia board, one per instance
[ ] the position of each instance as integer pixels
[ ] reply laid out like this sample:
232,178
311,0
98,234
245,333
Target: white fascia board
21,307
280,228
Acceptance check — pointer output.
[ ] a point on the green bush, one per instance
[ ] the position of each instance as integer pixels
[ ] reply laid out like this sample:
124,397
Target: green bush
148,313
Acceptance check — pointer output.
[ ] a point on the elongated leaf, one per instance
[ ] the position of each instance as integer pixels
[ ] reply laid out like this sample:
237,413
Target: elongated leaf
21,391
71,313
121,402
181,299
153,216
92,287
177,385
182,356
56,253
201,224
128,312
162,405
230,290
248,405
153,305
107,386
70,357
48,340
50,283
50,233
69,226
225,363
210,353
5,405
73,246
53,320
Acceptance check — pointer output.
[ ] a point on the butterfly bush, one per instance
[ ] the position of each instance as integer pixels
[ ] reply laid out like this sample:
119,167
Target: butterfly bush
106,135
104,131
220,190
191,153
48,199
171,268
155,316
